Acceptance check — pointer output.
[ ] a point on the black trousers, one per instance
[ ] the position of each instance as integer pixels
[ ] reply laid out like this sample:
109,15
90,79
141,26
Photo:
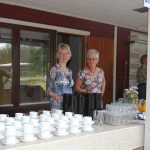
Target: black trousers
82,103
142,91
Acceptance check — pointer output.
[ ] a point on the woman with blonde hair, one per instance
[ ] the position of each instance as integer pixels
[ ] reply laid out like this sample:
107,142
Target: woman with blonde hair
60,77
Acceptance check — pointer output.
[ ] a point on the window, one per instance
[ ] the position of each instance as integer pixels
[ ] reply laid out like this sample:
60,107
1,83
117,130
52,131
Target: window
5,66
34,49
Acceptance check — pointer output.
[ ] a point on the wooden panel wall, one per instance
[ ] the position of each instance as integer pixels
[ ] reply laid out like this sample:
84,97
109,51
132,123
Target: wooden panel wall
122,78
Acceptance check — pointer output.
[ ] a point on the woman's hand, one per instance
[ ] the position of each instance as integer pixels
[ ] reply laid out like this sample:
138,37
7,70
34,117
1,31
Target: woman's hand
89,92
57,98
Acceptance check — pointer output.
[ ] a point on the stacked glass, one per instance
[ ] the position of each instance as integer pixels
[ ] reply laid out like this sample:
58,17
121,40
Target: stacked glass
120,113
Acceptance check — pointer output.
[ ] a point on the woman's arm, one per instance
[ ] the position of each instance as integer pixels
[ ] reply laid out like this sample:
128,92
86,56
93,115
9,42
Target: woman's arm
78,85
50,85
103,85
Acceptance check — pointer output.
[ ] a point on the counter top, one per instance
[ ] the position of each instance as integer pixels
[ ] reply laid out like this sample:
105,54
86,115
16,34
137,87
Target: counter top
104,137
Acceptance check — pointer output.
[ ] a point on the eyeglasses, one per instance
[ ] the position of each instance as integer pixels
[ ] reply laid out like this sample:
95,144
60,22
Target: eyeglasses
64,53
92,59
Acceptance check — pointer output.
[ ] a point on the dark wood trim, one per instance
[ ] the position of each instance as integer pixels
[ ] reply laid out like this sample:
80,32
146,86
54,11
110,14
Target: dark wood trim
53,47
16,66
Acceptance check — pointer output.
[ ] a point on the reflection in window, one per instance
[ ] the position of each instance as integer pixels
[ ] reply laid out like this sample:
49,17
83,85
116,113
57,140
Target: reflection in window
33,66
5,66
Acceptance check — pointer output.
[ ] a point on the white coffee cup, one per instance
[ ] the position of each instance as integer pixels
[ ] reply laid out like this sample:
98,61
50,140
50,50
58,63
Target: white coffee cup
25,119
74,122
87,119
10,139
58,111
18,116
34,122
17,124
65,118
56,116
9,121
69,114
2,126
46,112
78,116
33,114
61,131
87,127
3,117
50,120
43,117
44,126
62,123
10,131
27,129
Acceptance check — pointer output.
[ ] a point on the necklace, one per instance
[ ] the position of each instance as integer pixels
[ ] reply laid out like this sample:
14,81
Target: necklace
63,68
92,70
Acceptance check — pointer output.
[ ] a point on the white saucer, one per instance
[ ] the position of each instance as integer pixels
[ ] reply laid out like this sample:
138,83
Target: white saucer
75,132
45,137
89,123
1,136
29,140
7,143
56,133
90,129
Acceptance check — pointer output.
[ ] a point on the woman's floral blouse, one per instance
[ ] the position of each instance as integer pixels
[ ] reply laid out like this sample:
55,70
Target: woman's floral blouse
91,82
59,82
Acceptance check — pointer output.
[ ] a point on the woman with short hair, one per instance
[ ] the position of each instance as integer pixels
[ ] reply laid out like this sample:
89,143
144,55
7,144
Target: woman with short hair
91,79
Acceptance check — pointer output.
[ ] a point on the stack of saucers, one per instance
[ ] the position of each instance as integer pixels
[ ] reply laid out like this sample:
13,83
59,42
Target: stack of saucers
75,125
27,135
62,128
10,136
87,123
44,131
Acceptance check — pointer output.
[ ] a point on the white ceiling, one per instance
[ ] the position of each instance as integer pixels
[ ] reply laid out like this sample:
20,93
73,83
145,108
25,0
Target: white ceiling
116,12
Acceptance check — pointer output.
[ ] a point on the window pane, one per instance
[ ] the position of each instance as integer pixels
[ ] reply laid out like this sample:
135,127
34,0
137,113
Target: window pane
34,50
5,66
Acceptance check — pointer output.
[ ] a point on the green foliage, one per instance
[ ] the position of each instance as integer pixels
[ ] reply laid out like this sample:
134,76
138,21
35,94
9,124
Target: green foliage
5,54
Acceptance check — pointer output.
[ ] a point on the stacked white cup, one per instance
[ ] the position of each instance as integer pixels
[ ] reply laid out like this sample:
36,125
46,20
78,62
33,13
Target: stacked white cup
62,127
44,130
18,116
25,119
87,123
79,117
9,121
3,117
69,114
28,135
75,125
51,122
10,136
2,125
33,114
46,113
